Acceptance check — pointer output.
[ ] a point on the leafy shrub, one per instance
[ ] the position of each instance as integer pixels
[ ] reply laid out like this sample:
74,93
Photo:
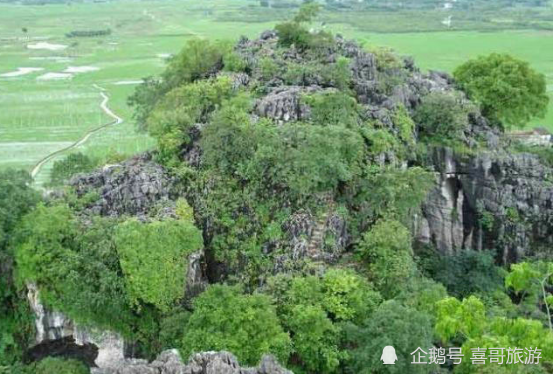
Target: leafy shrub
179,110
391,192
246,325
314,308
17,198
77,271
64,169
153,257
332,108
234,62
315,339
468,321
442,116
392,324
267,68
197,60
387,249
295,33
466,272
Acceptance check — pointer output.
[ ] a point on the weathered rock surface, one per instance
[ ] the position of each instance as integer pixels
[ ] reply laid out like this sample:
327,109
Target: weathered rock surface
494,200
284,103
57,334
132,187
169,362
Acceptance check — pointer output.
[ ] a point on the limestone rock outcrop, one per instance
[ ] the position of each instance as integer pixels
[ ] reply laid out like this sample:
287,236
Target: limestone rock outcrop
57,334
170,362
494,200
132,187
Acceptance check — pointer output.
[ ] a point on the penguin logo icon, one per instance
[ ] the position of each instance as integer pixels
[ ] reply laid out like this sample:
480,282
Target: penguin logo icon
389,355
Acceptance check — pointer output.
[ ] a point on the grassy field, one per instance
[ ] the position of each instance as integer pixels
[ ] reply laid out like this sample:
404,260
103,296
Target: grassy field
38,116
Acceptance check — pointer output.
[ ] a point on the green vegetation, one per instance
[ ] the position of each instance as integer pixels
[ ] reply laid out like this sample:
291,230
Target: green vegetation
226,319
58,112
442,117
388,250
16,200
153,258
507,89
52,365
302,223
388,326
64,169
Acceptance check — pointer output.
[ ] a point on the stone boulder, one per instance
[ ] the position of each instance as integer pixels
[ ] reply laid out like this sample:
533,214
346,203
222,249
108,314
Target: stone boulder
170,362
284,103
132,187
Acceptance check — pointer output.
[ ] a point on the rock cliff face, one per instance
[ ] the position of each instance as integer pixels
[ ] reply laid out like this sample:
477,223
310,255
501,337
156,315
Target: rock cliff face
169,362
57,334
132,187
494,200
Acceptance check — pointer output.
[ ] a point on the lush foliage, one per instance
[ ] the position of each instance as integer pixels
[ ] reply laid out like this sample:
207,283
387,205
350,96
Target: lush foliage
387,249
72,164
16,199
464,273
392,324
442,116
224,318
56,365
508,89
313,309
303,173
153,257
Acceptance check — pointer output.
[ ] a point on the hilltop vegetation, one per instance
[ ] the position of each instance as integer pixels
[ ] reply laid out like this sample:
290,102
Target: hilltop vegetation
277,216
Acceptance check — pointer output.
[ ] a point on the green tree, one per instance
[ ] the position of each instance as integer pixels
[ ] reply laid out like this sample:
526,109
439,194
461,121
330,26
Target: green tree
391,324
466,272
315,340
172,118
226,319
532,282
295,33
314,308
387,249
17,198
153,257
64,169
442,116
197,60
507,89
470,323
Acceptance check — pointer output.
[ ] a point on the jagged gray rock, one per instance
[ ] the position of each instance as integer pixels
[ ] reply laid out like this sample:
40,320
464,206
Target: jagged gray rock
132,187
284,103
170,362
52,326
512,190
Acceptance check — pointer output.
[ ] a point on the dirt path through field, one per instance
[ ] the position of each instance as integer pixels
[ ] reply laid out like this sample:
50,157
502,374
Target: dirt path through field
104,106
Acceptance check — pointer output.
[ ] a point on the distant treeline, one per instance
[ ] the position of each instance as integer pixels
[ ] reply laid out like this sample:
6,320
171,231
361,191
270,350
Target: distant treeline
87,33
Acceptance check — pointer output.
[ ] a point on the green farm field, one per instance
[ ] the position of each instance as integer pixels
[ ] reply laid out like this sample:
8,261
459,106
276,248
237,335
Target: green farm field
39,115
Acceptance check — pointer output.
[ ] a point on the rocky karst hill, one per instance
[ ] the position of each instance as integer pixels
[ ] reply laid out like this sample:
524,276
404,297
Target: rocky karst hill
290,154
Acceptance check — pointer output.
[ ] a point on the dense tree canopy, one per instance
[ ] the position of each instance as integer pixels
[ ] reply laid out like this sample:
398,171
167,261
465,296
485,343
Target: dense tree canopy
295,189
508,89
226,319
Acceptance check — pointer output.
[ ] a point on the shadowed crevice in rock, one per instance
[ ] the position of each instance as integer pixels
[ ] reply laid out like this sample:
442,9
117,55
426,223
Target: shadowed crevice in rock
64,347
